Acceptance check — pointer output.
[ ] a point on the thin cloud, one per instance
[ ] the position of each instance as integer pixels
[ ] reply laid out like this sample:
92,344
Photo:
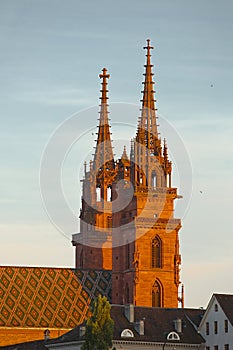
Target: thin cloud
58,97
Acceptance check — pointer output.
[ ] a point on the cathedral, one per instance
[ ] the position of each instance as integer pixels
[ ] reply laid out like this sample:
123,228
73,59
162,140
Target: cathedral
128,244
127,216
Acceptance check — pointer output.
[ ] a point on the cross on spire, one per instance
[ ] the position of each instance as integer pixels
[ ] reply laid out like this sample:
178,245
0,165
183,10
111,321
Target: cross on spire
104,90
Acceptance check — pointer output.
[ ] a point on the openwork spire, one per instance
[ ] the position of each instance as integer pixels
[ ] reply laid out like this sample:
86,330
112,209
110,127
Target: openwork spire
103,157
148,100
147,133
124,154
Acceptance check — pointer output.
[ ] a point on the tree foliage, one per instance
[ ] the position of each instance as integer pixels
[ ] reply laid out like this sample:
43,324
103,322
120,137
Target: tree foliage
99,326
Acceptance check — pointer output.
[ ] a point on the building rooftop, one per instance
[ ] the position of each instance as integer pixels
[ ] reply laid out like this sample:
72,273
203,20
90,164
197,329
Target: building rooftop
32,345
48,297
226,303
158,323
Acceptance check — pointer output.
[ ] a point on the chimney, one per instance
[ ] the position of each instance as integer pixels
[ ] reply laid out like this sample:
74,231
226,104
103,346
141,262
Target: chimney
129,312
47,334
178,325
82,331
139,327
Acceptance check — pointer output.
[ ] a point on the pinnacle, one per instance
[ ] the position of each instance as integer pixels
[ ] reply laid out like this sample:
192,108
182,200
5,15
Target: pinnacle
124,154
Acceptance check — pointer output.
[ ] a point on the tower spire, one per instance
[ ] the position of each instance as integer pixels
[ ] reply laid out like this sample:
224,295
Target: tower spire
148,100
103,156
147,133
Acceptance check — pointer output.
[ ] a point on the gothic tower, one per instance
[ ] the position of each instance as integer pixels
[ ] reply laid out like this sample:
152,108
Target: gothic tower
146,259
93,243
127,222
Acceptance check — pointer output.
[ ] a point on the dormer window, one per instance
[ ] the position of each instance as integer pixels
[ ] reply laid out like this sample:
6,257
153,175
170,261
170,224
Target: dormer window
127,333
173,336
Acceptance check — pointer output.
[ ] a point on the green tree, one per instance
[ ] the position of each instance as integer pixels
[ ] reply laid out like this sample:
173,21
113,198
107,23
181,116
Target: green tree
99,326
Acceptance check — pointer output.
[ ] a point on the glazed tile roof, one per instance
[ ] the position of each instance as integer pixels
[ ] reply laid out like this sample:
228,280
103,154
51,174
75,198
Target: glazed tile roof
48,297
226,303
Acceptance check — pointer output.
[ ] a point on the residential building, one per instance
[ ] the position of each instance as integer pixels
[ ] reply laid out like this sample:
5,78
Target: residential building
217,323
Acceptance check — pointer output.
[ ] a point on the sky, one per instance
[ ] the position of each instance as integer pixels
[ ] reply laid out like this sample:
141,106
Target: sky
52,53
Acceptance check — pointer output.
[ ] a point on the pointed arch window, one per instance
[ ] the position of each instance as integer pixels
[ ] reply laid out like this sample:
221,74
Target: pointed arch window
109,194
98,194
156,252
153,180
157,294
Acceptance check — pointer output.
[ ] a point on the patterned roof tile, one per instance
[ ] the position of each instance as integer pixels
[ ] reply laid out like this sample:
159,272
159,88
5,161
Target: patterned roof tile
48,297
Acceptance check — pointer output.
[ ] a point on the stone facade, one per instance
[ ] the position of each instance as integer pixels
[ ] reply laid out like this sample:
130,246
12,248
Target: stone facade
127,219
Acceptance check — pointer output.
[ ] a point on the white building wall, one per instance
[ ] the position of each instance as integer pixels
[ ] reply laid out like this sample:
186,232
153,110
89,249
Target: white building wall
221,338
